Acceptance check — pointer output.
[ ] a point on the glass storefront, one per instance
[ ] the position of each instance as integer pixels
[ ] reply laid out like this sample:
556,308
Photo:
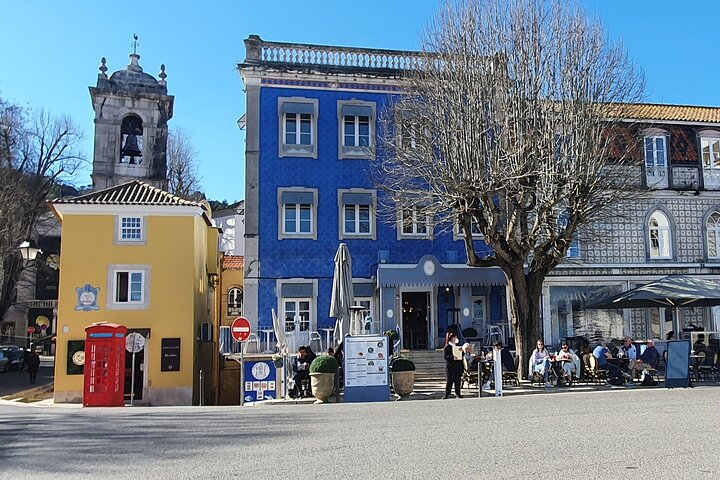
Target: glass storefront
570,317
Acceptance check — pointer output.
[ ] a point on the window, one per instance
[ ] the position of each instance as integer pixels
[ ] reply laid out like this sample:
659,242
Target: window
358,216
574,248
297,304
298,127
656,162
131,228
659,236
235,301
414,223
298,210
129,286
710,148
475,228
357,127
297,314
713,235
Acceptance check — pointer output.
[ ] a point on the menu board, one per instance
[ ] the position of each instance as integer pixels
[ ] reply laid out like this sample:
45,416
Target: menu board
366,362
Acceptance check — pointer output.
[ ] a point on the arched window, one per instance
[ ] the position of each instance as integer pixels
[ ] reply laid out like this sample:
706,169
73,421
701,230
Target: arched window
659,236
713,235
131,132
235,301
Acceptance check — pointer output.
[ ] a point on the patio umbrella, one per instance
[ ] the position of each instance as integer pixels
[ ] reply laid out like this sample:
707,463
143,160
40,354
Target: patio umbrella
675,291
342,292
279,329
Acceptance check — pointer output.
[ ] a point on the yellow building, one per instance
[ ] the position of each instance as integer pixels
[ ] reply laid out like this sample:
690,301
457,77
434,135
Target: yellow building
138,256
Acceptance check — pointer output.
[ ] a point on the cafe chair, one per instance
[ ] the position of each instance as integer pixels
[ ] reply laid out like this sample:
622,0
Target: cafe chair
709,368
592,371
511,378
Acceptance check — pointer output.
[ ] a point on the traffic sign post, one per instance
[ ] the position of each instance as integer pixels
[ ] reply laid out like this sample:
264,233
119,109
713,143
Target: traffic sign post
240,331
134,342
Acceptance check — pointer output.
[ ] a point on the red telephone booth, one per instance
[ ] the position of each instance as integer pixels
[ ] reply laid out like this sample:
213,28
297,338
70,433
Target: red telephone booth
104,365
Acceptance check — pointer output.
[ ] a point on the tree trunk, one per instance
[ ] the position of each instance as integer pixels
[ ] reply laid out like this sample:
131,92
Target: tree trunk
525,291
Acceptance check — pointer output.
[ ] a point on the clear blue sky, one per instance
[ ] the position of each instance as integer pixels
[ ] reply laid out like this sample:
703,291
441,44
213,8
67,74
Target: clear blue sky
50,51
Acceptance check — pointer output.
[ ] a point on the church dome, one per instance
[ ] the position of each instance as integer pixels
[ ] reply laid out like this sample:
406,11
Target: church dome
133,79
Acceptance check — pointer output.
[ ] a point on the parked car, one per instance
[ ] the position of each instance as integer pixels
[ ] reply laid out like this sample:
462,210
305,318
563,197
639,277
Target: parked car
15,357
4,364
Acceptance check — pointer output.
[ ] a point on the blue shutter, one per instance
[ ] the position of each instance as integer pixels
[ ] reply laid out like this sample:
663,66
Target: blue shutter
297,197
297,107
357,199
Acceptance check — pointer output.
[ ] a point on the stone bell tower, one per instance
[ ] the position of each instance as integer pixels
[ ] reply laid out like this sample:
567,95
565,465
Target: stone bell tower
132,109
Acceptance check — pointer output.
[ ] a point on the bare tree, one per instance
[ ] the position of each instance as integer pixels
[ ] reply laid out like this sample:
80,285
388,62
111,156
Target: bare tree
183,172
505,130
37,150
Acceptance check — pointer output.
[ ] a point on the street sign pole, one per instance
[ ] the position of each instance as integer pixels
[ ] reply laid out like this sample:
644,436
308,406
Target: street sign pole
240,331
132,380
242,375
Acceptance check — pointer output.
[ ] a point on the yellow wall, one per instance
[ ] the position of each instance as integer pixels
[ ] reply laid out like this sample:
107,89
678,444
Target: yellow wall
175,249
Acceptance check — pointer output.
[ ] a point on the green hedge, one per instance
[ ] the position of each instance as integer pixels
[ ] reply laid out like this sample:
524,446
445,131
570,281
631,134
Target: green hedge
324,364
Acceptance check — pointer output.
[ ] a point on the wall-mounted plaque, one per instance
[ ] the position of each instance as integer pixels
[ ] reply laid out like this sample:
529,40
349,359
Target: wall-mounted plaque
170,361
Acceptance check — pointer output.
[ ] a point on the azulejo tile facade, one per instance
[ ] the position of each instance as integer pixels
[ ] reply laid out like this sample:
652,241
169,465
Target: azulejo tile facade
416,280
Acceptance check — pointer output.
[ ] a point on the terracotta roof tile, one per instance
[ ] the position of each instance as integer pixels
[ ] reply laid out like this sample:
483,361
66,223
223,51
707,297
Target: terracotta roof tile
233,262
135,192
663,112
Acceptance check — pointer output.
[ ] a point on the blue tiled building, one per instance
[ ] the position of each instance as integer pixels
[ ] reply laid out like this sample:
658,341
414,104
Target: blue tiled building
313,117
310,122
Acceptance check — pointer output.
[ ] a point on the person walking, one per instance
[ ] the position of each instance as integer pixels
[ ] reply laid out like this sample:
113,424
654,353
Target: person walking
32,360
453,364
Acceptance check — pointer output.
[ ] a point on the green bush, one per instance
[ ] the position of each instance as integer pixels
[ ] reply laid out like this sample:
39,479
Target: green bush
324,364
402,364
392,335
470,333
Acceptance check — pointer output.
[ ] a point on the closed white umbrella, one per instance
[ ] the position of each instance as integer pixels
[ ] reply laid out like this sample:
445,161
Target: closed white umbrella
342,292
279,334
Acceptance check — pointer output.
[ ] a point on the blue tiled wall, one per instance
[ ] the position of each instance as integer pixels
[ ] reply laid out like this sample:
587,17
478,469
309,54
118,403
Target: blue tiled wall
306,258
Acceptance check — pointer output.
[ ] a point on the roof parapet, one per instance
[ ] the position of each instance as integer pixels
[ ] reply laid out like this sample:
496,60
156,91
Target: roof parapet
326,57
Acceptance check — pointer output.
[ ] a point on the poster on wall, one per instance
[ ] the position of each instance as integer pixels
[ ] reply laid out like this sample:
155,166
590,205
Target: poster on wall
366,362
170,361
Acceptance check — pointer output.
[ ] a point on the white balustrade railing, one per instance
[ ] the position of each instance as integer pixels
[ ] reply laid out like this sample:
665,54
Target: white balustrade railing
321,55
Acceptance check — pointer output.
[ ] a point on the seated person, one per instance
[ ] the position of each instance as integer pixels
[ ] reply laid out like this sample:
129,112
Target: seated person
540,362
301,373
713,343
699,345
506,358
570,362
602,354
628,350
648,359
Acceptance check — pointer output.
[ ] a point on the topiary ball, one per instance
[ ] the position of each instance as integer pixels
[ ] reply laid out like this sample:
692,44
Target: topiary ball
324,364
470,333
402,364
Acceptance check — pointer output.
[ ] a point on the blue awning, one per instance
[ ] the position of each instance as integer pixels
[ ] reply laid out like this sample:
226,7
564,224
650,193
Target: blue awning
429,272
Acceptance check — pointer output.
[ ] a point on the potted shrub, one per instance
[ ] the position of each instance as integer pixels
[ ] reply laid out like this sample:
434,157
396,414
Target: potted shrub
277,360
470,333
403,376
322,377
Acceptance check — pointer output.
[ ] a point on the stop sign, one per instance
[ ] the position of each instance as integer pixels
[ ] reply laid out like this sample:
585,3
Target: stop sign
240,329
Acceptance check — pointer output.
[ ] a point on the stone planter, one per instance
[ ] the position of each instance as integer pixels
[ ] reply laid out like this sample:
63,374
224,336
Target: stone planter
403,383
322,385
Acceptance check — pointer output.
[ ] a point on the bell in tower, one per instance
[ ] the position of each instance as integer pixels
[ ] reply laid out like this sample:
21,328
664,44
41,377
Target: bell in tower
132,109
131,130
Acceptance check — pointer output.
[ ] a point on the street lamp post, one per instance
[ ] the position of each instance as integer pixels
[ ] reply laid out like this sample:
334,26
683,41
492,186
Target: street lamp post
29,252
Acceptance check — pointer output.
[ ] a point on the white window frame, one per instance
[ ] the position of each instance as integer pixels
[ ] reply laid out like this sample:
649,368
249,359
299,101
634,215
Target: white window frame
144,302
312,299
235,308
356,151
656,173
372,217
664,237
296,302
297,149
119,240
415,234
458,234
714,232
709,140
284,234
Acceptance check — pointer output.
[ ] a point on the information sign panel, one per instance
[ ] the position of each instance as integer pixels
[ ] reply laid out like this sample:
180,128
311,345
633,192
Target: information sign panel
366,368
260,380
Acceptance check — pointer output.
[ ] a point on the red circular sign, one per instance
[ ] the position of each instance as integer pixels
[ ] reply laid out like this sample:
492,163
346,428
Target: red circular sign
240,329
31,329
